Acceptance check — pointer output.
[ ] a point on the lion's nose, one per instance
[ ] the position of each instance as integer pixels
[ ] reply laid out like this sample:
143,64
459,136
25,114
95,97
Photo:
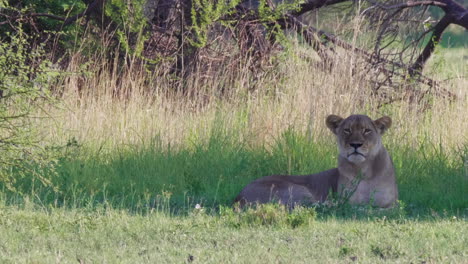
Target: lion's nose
355,145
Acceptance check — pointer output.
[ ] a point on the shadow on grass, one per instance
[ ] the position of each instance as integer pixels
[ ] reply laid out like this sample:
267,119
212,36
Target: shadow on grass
431,183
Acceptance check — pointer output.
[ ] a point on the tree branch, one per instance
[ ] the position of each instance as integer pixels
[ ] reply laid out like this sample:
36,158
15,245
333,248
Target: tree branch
66,20
90,8
458,14
407,4
454,14
311,34
47,15
435,38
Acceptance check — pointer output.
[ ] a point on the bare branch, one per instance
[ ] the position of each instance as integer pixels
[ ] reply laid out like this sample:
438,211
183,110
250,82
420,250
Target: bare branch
47,15
435,38
457,13
406,5
454,14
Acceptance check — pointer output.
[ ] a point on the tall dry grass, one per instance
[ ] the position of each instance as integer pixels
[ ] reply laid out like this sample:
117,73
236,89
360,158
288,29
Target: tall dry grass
110,107
107,105
145,134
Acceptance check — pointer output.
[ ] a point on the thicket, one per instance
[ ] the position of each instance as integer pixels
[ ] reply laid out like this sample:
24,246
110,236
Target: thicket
26,77
183,42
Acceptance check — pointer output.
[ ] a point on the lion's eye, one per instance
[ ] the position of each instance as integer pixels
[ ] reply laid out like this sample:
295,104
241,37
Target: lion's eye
367,131
347,131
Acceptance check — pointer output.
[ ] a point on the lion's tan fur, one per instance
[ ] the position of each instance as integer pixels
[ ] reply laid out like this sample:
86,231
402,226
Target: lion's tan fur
365,170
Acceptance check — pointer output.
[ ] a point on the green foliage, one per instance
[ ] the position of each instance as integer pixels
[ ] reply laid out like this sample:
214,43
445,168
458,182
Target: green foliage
204,14
269,13
25,77
63,8
125,16
131,23
273,214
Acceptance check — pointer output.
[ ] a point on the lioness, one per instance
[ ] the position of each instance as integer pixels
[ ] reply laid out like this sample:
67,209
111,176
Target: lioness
365,170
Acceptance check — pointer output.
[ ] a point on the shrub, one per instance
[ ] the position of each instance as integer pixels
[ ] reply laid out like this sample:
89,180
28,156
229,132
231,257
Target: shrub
24,81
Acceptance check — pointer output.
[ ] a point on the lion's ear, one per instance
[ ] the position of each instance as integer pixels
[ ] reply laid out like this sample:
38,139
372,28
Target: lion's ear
333,121
382,124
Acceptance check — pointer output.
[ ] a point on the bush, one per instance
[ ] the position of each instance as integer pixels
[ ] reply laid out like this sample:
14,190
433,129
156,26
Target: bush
24,81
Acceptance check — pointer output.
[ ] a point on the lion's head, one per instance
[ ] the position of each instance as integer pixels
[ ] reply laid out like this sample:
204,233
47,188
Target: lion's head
359,138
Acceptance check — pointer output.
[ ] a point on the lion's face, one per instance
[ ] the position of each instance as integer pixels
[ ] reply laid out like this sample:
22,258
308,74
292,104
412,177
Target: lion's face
359,138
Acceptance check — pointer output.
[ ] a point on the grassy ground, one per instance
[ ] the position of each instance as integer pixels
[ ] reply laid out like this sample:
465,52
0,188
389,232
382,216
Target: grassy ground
204,150
130,172
213,172
115,236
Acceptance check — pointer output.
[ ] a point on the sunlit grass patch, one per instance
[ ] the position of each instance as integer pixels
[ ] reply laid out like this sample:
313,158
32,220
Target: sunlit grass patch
106,235
273,214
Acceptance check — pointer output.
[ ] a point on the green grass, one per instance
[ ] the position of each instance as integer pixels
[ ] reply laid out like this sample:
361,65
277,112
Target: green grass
120,194
212,173
37,235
